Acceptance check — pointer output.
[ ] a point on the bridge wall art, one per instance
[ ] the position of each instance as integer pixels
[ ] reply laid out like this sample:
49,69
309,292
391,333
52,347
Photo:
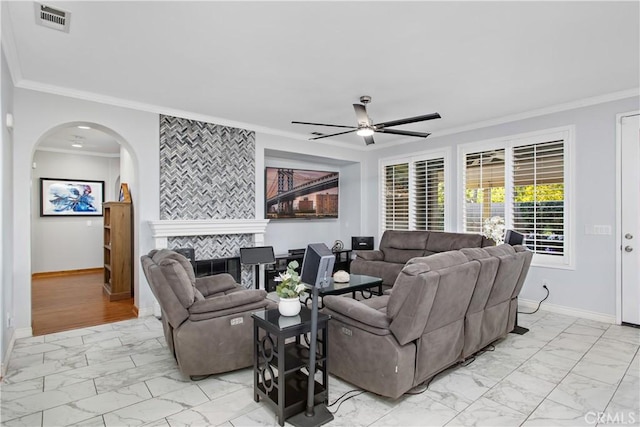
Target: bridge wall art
301,194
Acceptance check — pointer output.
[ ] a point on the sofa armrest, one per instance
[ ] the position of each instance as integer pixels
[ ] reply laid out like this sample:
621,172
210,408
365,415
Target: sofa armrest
370,255
230,300
216,284
356,310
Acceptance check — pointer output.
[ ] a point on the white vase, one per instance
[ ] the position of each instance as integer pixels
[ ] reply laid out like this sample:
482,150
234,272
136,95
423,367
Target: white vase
289,306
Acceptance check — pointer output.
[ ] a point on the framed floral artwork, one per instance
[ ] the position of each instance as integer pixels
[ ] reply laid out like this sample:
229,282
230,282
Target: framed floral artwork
71,197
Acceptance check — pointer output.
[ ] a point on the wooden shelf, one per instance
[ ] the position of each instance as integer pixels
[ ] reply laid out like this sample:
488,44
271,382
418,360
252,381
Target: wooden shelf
118,250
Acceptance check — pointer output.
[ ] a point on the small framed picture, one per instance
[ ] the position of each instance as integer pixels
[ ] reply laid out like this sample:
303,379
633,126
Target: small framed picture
71,197
125,194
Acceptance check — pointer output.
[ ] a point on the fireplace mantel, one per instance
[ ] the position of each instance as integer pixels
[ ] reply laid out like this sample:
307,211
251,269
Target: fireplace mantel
163,229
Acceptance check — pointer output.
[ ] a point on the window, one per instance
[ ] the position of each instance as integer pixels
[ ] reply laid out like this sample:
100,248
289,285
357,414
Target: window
522,180
484,188
413,196
396,197
538,196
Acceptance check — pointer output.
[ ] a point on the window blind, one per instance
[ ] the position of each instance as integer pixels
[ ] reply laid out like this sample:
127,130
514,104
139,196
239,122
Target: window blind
484,178
396,197
538,196
428,195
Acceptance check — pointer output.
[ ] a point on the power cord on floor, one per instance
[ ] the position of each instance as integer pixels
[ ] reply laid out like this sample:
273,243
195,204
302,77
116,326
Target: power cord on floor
472,359
343,395
416,390
540,303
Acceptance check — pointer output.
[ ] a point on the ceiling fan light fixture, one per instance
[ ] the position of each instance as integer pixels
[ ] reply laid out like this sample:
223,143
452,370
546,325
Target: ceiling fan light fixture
364,132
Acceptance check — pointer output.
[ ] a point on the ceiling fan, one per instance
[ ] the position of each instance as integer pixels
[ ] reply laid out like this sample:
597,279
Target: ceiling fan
366,128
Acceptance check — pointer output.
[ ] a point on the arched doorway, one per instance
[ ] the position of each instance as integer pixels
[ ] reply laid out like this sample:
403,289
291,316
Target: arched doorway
67,248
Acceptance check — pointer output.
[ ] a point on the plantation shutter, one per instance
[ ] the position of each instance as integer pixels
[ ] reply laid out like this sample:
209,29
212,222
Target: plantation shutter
396,197
428,195
538,196
484,188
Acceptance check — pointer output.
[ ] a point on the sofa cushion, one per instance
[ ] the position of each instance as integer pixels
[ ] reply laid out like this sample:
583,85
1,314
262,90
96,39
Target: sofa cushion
370,255
234,299
400,246
440,260
445,241
387,271
411,301
369,314
178,272
504,249
475,253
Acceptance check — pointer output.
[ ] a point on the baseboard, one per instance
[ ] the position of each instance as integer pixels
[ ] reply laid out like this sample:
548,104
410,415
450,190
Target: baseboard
23,332
7,355
530,305
47,274
144,311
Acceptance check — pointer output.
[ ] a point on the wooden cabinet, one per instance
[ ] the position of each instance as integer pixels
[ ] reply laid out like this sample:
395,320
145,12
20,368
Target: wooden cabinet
118,250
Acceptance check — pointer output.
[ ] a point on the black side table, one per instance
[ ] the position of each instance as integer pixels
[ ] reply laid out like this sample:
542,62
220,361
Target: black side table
280,354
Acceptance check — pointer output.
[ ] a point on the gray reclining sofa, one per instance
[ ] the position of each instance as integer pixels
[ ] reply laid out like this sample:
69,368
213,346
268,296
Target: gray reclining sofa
207,321
443,308
397,247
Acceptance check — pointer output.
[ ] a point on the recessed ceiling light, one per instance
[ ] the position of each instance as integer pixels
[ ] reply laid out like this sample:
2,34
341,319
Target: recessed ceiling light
84,127
77,145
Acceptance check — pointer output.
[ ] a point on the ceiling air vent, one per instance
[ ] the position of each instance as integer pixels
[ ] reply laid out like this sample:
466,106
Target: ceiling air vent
50,17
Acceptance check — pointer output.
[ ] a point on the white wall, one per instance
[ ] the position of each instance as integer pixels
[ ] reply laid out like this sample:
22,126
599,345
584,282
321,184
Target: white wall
68,242
591,285
6,212
36,115
292,234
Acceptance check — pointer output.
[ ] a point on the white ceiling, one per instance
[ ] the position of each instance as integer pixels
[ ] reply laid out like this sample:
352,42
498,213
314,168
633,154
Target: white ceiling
93,141
265,64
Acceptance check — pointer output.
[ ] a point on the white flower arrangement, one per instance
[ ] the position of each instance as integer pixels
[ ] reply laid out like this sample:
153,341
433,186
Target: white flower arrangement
290,282
494,229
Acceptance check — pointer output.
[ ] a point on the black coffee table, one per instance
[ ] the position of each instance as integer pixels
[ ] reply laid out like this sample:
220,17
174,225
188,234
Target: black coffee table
356,283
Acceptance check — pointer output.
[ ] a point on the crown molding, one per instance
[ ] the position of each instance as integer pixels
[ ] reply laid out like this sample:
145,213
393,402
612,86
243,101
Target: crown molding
158,109
77,152
585,102
8,46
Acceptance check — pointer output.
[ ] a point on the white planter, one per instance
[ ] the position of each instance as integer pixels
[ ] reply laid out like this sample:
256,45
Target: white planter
289,306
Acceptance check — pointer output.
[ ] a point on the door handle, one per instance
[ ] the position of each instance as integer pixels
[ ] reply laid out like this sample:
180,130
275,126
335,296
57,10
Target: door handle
628,236
628,248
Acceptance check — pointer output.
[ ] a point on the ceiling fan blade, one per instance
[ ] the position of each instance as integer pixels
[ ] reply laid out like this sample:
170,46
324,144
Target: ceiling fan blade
409,120
333,134
323,124
403,132
368,140
361,114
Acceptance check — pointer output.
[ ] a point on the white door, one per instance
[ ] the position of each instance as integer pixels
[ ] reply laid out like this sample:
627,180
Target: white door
630,162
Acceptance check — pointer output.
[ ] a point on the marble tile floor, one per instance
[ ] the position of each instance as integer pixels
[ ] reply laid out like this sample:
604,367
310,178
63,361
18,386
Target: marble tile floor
565,371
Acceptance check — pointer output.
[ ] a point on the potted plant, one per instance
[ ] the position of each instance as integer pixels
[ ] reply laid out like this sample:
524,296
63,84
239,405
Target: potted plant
289,290
494,229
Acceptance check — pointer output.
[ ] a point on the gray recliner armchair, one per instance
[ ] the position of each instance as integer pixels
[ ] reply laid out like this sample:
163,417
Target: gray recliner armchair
392,343
207,321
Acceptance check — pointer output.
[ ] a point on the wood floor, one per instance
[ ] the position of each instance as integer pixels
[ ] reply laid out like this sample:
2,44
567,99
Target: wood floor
74,301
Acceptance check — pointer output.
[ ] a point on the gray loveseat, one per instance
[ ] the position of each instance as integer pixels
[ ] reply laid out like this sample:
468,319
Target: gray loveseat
397,247
207,321
443,308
